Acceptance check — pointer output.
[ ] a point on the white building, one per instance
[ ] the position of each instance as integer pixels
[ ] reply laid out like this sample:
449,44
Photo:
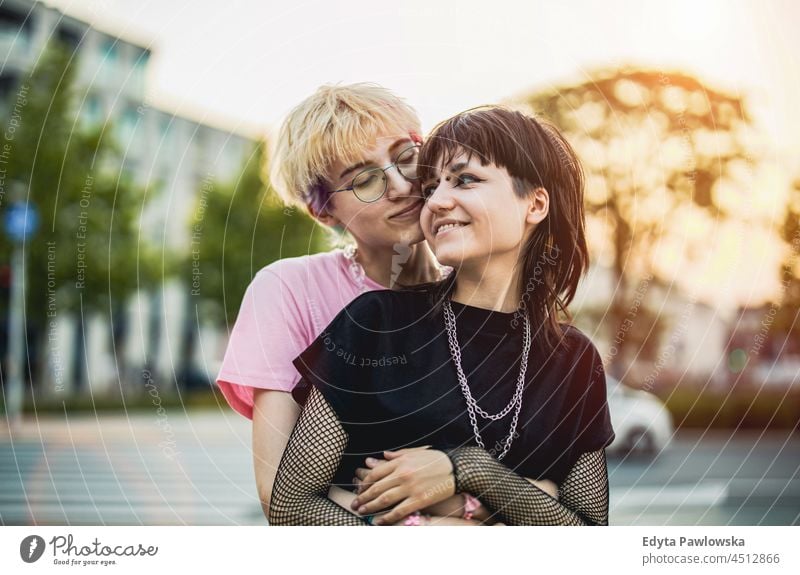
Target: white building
177,152
695,336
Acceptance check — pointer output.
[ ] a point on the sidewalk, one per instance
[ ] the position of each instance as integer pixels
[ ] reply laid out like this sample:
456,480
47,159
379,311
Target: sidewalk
143,468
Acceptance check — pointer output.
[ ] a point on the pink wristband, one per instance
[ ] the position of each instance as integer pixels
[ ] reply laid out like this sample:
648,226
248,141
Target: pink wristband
471,505
413,519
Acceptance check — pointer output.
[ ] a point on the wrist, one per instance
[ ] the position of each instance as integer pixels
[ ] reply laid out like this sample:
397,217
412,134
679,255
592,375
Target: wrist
452,455
463,460
417,519
471,506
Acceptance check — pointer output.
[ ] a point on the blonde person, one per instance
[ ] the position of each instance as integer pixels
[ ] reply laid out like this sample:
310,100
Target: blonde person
347,154
475,378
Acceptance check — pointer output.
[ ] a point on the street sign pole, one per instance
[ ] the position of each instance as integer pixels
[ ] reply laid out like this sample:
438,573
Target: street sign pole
16,323
21,220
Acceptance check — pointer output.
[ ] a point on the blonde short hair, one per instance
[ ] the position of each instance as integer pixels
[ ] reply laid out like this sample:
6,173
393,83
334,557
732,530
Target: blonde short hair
334,123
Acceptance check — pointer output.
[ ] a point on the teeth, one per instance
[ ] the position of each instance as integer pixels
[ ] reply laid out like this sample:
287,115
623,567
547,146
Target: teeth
448,227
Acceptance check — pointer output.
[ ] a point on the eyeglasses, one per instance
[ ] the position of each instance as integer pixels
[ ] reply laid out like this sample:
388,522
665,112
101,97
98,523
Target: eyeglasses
369,185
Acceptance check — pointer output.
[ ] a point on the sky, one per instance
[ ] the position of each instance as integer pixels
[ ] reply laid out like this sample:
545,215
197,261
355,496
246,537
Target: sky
249,62
244,64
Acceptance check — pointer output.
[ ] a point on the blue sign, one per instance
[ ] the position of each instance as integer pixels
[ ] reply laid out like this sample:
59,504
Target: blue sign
21,221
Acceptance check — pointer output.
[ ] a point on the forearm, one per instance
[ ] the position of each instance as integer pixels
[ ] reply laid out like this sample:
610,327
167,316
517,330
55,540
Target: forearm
419,479
310,509
516,501
300,493
275,414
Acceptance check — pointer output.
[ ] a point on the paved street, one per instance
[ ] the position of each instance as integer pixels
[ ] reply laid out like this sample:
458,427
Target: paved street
197,470
711,478
136,470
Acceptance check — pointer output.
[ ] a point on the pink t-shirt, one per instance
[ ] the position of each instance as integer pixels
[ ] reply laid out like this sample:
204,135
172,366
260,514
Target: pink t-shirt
286,306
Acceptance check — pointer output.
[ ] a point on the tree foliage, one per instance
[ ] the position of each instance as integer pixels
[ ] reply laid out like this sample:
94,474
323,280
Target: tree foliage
239,227
660,149
84,249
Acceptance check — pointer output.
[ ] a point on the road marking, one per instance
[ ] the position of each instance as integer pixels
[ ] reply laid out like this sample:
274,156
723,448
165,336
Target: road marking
691,494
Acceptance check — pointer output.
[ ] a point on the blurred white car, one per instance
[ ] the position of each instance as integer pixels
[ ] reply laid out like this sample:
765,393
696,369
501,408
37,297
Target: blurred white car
641,421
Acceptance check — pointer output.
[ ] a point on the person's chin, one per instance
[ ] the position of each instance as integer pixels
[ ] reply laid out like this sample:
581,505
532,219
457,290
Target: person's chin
450,255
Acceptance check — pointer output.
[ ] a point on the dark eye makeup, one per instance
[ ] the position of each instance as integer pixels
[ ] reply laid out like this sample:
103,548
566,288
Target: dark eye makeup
461,180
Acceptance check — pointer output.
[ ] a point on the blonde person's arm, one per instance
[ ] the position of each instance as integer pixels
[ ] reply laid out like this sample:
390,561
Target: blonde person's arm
274,416
301,488
307,467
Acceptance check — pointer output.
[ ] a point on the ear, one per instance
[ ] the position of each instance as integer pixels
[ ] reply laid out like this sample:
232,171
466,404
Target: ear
538,206
324,217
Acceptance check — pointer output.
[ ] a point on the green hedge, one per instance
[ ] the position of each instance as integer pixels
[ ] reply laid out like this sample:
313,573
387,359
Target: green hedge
691,407
113,402
746,409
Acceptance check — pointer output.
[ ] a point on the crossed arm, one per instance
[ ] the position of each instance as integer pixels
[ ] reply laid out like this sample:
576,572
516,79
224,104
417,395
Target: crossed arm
583,496
315,448
308,465
275,414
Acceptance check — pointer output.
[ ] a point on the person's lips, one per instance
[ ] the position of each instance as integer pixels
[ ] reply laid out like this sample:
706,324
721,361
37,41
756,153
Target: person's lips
445,225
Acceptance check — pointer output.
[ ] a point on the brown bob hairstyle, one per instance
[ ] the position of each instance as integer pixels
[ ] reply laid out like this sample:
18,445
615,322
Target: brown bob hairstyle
535,154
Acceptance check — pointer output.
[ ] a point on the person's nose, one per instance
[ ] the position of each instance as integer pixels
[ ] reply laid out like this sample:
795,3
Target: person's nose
397,187
440,200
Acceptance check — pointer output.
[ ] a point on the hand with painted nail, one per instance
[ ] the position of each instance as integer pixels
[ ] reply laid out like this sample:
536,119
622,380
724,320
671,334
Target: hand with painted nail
407,480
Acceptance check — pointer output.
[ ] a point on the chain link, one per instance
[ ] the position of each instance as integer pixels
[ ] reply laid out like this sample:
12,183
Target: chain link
472,404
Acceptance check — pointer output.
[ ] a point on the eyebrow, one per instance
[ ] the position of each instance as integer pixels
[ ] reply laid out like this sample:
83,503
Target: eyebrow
392,148
458,167
453,169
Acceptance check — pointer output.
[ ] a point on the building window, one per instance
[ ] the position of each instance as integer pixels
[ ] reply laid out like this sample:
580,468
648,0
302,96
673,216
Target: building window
109,58
69,38
15,28
12,21
92,110
140,60
8,84
127,127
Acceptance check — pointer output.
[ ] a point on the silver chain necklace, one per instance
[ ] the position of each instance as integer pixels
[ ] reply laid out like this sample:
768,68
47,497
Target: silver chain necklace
472,404
356,271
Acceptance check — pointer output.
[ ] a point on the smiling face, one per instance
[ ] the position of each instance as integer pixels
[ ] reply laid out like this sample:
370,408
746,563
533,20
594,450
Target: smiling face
392,219
473,216
517,206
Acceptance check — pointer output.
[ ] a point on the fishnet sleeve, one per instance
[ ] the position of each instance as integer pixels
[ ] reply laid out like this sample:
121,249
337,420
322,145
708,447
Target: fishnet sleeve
308,465
583,495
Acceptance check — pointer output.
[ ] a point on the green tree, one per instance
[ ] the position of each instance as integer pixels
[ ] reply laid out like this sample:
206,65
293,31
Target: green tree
237,228
658,148
787,320
83,257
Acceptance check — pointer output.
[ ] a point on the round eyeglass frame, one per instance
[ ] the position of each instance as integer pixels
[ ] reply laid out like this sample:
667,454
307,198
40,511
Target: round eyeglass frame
351,187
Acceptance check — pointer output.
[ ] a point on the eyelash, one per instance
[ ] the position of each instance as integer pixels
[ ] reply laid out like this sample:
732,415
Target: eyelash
470,176
460,182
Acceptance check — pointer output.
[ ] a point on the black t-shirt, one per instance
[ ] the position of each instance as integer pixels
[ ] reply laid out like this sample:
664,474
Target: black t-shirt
384,365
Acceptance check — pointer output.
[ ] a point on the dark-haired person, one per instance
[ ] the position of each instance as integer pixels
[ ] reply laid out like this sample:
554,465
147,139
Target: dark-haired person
478,365
347,154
